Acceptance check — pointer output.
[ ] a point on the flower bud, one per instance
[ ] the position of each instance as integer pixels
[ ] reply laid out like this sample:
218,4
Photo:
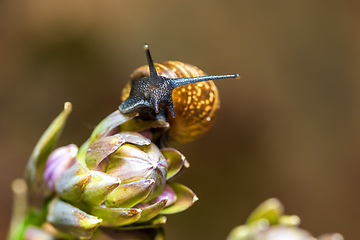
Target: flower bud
72,220
116,179
131,163
58,161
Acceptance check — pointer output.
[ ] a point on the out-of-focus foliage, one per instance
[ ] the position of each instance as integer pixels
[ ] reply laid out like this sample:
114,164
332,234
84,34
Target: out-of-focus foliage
268,222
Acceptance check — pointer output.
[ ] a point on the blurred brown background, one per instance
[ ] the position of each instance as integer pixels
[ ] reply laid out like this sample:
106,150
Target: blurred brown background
289,128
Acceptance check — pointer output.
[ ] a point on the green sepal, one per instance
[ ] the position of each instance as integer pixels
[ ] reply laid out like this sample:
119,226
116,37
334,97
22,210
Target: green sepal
70,186
36,165
109,123
176,161
152,211
129,194
71,220
270,210
100,186
103,147
106,126
115,217
80,157
185,199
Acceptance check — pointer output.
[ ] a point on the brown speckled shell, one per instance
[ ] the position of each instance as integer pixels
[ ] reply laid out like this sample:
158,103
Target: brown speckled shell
195,104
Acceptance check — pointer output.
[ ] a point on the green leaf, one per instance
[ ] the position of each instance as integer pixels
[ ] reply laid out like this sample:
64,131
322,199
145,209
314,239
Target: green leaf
109,123
185,199
115,217
37,161
71,220
71,184
270,210
106,126
100,186
176,161
129,194
152,211
103,147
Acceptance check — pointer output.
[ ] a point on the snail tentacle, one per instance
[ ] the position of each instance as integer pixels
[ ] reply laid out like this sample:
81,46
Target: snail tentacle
155,92
178,82
153,72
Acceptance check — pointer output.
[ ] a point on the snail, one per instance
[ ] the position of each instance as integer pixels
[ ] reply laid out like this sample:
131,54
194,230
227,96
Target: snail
185,90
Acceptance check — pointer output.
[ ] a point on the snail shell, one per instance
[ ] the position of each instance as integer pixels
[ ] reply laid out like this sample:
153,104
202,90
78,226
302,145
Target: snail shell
195,104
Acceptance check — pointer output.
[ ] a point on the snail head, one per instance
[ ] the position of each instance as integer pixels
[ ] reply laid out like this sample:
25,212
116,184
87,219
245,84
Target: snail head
154,93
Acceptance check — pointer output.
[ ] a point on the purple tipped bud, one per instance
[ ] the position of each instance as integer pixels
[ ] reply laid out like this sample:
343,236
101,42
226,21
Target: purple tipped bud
58,162
169,193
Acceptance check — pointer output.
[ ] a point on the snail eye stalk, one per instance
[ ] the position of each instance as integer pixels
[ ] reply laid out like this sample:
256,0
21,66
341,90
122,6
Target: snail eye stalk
155,92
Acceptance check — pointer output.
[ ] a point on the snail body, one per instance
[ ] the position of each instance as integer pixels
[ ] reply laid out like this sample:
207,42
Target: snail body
183,89
195,105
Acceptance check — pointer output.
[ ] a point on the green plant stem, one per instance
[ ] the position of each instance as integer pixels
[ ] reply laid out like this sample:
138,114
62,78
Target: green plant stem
19,189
